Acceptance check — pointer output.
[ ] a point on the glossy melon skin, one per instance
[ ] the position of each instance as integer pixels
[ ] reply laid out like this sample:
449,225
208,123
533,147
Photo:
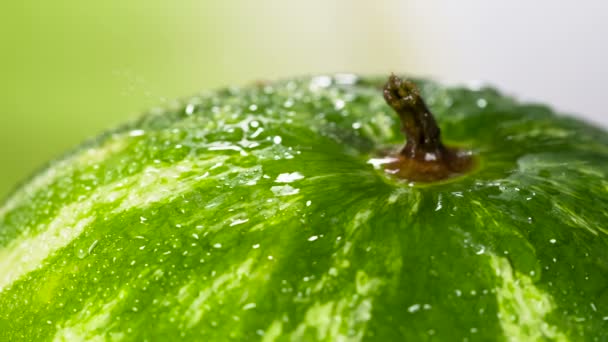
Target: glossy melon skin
255,214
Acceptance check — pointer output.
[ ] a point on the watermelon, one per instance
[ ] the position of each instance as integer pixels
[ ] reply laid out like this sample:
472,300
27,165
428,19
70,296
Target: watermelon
264,213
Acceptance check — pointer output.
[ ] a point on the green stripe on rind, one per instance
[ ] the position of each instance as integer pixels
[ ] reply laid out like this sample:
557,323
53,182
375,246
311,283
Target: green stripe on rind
61,169
153,185
522,306
192,225
85,326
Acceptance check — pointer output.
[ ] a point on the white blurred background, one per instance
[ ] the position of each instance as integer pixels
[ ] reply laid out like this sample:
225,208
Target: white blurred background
71,69
551,51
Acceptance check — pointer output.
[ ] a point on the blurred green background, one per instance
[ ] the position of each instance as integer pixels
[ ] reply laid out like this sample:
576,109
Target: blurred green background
71,69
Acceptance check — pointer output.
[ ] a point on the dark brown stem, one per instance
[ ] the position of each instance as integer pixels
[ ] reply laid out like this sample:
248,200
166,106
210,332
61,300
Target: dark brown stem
424,157
419,125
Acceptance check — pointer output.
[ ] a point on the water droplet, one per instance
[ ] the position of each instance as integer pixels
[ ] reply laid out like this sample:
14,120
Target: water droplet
553,241
356,125
256,133
378,162
320,82
313,238
277,139
413,308
249,306
238,221
92,246
190,109
81,253
289,177
430,156
256,246
285,190
308,203
482,103
346,79
137,133
339,104
217,245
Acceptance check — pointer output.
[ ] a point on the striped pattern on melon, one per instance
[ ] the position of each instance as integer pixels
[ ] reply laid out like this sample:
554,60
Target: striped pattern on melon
255,214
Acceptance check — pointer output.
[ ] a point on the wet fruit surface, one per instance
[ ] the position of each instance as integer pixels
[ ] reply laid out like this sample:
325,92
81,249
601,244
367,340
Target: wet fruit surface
264,213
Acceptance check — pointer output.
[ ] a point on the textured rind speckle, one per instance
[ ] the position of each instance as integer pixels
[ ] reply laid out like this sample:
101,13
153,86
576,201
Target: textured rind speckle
253,214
